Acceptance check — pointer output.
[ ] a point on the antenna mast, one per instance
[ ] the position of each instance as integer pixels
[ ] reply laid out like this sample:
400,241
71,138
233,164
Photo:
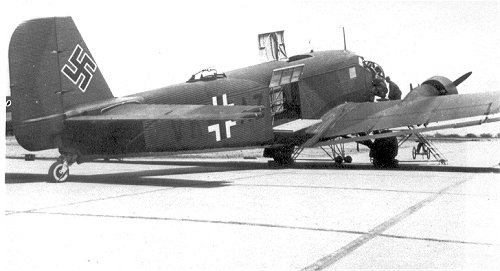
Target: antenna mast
345,46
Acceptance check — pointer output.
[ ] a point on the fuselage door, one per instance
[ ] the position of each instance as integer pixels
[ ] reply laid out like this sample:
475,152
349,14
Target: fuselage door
284,92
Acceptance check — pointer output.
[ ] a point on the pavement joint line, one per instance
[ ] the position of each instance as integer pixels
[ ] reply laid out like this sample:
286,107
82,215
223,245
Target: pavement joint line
87,201
238,223
342,188
368,189
266,225
251,177
436,240
332,258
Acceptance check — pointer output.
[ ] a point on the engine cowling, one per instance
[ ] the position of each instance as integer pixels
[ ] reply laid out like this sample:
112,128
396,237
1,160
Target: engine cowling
434,86
441,85
437,86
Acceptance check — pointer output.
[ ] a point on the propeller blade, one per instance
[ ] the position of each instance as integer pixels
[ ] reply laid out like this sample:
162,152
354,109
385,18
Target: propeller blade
461,79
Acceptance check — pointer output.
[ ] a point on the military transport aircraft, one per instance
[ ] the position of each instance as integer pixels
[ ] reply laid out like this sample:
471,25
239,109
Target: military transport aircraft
61,100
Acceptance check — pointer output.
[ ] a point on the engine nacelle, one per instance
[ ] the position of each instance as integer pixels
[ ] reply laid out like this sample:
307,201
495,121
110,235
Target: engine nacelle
434,86
442,85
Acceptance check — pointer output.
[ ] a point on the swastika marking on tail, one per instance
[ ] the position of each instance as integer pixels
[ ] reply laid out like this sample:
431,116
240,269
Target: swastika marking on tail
80,68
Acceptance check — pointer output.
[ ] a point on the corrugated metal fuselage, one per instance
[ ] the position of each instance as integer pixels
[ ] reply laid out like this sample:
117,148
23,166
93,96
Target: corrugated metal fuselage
329,78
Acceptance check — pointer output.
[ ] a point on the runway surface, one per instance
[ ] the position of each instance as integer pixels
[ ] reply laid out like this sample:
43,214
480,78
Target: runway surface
237,214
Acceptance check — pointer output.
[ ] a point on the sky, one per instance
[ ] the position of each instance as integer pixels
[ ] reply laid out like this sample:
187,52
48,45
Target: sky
143,45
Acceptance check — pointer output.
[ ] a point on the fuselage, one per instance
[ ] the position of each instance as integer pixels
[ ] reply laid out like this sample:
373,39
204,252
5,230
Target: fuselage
328,79
326,82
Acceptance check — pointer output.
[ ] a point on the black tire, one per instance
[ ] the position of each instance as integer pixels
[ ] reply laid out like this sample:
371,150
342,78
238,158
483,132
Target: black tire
283,160
393,163
55,173
348,159
282,155
384,152
338,160
414,153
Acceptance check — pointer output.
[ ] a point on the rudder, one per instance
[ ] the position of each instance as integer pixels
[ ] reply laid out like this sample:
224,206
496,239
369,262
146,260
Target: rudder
51,70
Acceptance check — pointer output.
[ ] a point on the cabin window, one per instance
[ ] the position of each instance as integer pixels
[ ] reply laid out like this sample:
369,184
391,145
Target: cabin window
352,72
347,74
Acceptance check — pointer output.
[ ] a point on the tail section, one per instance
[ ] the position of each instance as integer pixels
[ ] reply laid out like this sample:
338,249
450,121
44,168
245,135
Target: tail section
51,70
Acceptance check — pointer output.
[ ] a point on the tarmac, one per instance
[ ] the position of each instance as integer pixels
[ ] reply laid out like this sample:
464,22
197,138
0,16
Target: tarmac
248,214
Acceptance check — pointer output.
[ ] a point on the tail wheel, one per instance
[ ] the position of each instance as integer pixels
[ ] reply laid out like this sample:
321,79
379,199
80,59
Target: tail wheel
58,172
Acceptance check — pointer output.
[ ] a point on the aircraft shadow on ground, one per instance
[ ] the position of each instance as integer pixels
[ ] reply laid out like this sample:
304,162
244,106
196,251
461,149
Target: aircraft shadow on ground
316,164
160,177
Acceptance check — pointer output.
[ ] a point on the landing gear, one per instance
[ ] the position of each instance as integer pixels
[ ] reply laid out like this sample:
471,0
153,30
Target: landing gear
283,159
384,152
282,155
338,160
59,171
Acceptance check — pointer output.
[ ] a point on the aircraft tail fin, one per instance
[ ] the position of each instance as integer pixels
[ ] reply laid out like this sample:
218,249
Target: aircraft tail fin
51,70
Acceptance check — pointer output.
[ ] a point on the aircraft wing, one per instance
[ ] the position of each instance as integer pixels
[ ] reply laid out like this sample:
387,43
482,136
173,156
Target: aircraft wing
128,112
355,118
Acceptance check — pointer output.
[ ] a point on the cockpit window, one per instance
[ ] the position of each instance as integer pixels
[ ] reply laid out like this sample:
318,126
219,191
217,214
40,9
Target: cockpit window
375,69
298,57
206,75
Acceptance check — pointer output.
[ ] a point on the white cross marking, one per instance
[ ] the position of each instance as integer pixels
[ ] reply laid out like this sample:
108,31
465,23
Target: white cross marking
229,123
224,100
215,128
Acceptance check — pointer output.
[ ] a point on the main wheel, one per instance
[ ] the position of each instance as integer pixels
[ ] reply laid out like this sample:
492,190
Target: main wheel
58,172
384,152
281,155
283,160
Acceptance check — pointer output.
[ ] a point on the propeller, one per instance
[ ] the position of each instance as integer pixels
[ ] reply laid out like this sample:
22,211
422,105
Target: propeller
461,79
